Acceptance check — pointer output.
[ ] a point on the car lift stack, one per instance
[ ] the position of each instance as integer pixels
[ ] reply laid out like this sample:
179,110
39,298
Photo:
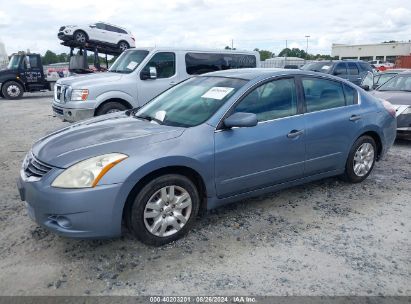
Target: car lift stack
83,48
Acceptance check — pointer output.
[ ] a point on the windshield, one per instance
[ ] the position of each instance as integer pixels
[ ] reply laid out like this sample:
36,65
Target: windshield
128,61
191,102
398,83
317,67
14,62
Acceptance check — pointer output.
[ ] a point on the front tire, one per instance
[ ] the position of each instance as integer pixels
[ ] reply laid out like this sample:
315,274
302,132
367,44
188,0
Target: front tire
110,107
164,210
361,160
12,90
80,37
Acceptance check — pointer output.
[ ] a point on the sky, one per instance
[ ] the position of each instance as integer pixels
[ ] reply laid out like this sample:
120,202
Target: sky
263,24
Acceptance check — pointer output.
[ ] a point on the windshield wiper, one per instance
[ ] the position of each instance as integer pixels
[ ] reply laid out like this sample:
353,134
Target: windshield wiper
148,118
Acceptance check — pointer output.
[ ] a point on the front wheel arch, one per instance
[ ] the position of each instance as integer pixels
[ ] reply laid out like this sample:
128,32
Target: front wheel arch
118,100
190,173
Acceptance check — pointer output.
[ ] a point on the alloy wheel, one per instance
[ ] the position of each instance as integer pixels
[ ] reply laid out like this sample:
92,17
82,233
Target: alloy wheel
363,159
80,37
167,211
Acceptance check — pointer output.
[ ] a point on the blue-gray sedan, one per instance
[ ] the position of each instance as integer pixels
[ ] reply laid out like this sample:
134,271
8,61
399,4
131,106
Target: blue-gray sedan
208,141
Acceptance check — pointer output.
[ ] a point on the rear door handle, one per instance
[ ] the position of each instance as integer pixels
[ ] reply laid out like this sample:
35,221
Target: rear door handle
355,117
172,83
295,133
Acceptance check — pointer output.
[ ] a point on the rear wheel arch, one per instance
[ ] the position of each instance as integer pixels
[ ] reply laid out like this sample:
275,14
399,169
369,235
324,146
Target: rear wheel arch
188,172
374,135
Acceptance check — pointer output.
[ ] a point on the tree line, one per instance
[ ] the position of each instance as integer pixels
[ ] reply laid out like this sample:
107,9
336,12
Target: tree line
287,52
50,57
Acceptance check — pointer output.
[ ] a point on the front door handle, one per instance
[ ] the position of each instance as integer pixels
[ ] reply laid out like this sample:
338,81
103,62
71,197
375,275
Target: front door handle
355,117
295,133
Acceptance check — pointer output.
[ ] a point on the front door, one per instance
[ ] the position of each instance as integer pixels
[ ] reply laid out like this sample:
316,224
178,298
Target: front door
167,76
32,73
270,153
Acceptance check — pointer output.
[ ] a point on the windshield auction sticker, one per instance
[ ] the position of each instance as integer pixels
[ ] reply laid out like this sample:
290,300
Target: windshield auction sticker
217,93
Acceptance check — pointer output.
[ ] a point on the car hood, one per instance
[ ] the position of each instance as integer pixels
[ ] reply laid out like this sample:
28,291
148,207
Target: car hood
395,97
85,81
105,134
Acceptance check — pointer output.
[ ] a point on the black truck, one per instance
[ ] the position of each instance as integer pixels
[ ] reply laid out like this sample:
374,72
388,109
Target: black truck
24,73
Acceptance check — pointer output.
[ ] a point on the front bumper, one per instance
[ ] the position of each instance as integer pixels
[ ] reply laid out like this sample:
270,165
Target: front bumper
64,36
77,213
72,114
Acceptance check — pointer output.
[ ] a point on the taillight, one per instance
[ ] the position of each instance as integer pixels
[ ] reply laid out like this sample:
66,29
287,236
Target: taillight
389,107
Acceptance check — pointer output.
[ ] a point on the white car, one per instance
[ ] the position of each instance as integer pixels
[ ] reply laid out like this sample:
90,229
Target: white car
99,32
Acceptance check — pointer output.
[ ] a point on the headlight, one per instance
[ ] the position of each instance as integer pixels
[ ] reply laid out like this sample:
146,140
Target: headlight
79,95
87,173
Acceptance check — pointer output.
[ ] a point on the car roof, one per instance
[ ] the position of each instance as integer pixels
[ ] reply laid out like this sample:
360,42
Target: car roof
261,73
194,50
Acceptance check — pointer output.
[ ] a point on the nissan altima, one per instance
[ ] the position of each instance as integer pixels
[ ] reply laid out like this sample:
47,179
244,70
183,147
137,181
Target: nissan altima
208,141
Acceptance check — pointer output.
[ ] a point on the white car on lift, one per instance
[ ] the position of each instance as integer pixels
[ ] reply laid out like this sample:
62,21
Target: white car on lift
100,32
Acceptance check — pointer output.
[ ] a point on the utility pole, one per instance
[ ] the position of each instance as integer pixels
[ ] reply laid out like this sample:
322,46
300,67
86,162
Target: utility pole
232,44
306,49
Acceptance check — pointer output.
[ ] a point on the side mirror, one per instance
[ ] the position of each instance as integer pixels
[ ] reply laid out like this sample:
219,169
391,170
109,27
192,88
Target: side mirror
336,73
241,120
365,87
151,73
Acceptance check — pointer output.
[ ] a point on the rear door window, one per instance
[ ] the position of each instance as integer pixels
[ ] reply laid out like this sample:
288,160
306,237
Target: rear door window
200,63
340,69
353,69
322,94
351,95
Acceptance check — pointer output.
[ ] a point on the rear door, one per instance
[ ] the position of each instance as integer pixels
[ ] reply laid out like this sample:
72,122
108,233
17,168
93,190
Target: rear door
332,120
167,76
101,33
354,73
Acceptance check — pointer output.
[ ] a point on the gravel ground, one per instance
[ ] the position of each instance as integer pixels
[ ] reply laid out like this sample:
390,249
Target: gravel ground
323,238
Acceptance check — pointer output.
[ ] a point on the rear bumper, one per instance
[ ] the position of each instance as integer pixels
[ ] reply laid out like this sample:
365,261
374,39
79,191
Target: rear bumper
72,114
76,213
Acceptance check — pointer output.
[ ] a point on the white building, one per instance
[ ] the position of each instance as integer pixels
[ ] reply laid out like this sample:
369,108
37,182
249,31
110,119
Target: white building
367,52
281,62
4,59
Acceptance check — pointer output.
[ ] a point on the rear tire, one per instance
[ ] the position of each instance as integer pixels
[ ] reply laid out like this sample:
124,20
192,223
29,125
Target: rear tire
123,45
12,90
164,210
361,160
111,107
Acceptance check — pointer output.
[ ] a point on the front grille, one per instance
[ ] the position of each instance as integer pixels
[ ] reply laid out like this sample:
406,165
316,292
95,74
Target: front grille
60,93
62,28
57,110
34,167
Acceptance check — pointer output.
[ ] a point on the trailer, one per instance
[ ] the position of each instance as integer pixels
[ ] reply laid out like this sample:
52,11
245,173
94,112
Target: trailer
25,71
